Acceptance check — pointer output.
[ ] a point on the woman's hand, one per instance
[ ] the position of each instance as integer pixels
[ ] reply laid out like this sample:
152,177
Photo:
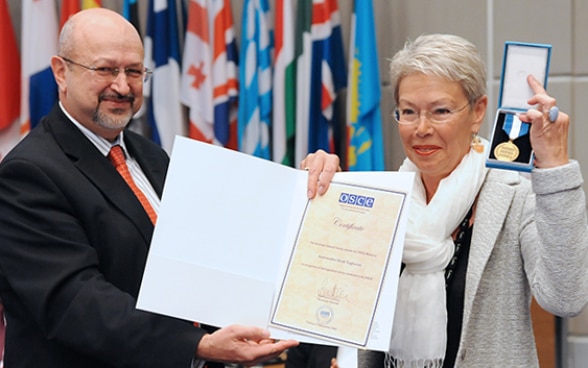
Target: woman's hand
321,167
549,139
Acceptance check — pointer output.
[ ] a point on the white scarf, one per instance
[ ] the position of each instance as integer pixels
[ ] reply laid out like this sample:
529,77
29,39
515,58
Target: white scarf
420,321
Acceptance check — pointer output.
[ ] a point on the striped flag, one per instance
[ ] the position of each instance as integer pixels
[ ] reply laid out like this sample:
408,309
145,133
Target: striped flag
328,75
225,75
9,84
87,4
303,55
284,87
364,122
255,97
162,55
68,8
130,11
39,44
209,77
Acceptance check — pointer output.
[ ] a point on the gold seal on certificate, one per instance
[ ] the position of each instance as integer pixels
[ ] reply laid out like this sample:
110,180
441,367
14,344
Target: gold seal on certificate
335,270
506,151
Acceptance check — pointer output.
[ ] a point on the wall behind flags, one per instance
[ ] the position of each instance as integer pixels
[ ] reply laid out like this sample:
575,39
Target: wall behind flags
488,24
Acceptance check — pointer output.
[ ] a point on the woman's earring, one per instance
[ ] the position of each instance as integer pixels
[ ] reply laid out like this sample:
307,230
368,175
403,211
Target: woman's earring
477,143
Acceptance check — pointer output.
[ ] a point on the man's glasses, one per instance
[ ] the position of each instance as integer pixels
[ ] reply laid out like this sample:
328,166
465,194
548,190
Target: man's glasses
104,72
441,115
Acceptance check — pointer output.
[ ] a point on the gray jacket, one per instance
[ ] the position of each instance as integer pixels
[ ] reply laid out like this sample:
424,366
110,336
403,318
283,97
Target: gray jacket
530,239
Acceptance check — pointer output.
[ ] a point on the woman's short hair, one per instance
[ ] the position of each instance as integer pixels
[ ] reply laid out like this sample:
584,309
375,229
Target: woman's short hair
442,55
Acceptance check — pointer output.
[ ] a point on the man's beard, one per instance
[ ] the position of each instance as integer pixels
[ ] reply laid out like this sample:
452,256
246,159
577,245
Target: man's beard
118,118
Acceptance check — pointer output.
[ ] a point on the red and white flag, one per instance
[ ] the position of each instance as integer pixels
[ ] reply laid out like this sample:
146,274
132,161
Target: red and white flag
68,8
39,43
209,75
225,81
9,83
196,84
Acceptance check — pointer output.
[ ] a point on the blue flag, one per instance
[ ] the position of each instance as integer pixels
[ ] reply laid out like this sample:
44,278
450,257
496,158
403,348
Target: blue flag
365,150
328,76
131,13
255,80
165,115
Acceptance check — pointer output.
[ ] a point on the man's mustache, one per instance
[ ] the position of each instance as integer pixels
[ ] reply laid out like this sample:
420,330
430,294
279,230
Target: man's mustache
116,97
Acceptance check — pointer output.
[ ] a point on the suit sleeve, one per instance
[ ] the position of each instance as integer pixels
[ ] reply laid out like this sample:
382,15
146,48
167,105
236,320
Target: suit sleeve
555,240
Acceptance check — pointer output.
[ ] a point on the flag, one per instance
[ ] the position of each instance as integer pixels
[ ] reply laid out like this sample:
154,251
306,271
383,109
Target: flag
255,78
196,84
9,84
39,43
225,75
328,75
87,4
303,54
209,76
284,87
131,13
365,149
162,55
68,8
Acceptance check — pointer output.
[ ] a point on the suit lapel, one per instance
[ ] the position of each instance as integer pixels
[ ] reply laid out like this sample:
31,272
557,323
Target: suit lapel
98,169
494,201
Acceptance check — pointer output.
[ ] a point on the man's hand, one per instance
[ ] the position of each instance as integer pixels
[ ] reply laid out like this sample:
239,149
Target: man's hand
241,345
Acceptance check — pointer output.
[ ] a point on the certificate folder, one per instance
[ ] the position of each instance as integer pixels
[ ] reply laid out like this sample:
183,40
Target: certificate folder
228,226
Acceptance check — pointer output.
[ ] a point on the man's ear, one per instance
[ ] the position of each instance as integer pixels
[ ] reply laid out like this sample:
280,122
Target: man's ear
59,66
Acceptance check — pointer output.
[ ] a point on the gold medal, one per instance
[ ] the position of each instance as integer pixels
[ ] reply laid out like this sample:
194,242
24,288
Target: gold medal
506,151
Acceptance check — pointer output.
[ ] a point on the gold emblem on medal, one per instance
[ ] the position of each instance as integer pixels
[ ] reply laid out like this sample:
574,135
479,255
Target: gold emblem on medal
506,151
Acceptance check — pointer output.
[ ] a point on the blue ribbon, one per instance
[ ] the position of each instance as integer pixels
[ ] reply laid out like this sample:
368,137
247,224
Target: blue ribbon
508,125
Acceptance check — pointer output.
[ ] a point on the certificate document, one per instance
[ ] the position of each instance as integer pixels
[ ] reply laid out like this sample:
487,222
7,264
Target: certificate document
238,242
337,265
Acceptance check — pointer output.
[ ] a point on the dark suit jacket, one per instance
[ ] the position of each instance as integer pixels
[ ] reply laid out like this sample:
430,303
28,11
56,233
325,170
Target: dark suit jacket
73,245
311,356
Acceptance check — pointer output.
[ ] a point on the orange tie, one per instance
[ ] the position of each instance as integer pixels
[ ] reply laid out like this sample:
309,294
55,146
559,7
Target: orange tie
117,157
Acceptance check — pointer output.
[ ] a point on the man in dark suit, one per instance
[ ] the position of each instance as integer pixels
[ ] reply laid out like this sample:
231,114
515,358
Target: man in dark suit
74,237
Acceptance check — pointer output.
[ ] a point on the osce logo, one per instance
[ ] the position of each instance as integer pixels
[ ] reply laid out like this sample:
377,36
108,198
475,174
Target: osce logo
356,200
